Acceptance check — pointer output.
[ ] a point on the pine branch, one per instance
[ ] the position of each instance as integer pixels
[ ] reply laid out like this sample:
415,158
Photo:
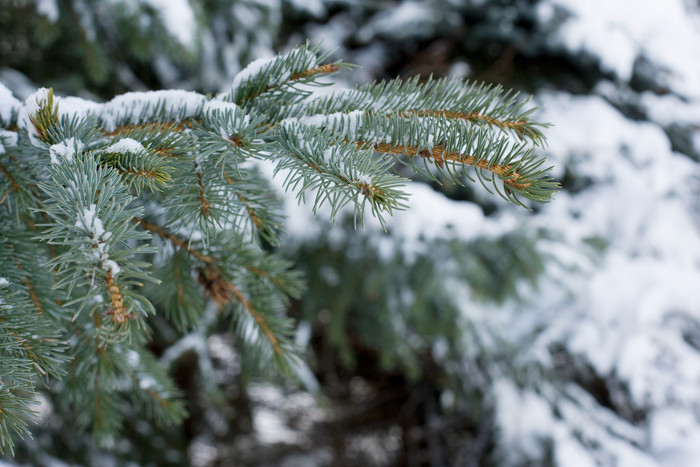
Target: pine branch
14,185
339,172
262,324
88,208
446,140
143,130
30,348
180,292
174,239
522,127
484,105
213,277
83,185
275,78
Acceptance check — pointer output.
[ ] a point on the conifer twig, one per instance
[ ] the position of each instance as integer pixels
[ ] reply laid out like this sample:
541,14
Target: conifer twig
14,186
174,239
519,126
319,70
245,303
151,127
440,155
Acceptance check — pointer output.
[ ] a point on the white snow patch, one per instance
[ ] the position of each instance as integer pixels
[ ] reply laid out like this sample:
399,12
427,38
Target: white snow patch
669,109
85,18
48,8
364,179
76,106
675,438
405,20
8,104
91,222
524,419
98,237
147,381
217,105
65,150
3,281
99,298
126,146
133,358
620,31
315,8
111,266
8,138
178,18
253,68
260,65
230,126
137,107
345,122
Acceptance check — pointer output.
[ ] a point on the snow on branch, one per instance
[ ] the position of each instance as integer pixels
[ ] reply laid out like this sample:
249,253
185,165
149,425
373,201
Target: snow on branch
102,187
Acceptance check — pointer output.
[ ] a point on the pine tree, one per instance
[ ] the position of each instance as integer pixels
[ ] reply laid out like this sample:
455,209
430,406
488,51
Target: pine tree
159,203
107,47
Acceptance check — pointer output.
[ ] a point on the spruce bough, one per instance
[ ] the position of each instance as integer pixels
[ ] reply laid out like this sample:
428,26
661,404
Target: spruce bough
155,203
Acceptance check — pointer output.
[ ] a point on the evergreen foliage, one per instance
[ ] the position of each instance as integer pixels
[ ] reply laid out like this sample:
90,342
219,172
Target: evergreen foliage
112,46
158,203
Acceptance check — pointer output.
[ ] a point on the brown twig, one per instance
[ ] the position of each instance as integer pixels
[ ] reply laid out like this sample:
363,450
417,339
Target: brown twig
516,125
440,155
118,312
218,288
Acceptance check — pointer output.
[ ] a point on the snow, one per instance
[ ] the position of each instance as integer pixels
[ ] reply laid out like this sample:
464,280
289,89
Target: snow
147,382
674,434
133,358
406,20
178,18
8,138
91,222
618,32
85,18
136,107
125,109
65,150
670,109
253,68
98,238
345,122
265,64
48,8
75,106
619,313
624,310
364,179
111,266
315,8
525,418
126,146
331,34
230,126
216,105
8,104
3,282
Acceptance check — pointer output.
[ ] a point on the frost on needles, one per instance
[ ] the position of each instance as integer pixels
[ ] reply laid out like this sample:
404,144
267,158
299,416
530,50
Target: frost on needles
154,202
